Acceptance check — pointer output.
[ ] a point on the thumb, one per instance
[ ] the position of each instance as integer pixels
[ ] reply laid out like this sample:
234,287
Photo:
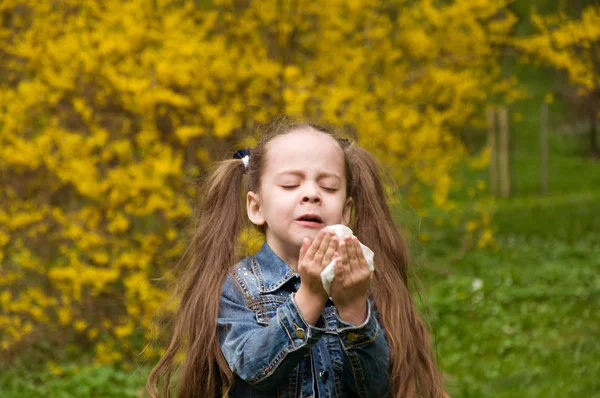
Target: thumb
304,248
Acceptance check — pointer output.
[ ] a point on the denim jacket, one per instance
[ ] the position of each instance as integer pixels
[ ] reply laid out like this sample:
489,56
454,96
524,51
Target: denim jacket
274,352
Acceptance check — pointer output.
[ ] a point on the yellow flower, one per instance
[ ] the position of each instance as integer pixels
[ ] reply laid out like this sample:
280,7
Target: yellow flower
64,315
54,368
93,333
80,325
471,225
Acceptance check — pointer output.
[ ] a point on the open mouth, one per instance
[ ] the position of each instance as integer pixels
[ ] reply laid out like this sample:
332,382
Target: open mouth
310,220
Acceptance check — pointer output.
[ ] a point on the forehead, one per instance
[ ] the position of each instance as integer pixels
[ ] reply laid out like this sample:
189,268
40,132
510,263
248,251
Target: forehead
304,149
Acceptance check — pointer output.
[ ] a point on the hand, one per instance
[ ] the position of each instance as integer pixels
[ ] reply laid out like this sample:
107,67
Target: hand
311,296
352,282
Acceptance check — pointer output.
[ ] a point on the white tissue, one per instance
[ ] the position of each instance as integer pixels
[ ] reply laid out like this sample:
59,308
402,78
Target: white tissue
328,273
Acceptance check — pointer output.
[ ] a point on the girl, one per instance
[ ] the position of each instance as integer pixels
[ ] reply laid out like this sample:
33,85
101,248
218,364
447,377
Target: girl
264,326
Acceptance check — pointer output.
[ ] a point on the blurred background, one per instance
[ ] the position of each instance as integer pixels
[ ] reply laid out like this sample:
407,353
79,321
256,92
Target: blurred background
483,113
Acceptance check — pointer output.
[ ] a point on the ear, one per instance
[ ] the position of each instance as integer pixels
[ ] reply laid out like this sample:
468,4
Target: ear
253,207
347,211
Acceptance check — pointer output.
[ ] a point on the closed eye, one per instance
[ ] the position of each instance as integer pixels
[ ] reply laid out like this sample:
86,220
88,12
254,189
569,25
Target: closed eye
296,186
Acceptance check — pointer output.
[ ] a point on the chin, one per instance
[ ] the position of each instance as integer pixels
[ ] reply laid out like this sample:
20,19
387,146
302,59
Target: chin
311,232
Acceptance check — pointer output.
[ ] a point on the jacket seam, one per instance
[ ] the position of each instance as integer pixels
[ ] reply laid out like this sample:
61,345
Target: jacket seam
359,377
268,370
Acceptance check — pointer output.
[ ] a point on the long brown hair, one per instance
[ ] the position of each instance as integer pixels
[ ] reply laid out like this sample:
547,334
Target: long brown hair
204,371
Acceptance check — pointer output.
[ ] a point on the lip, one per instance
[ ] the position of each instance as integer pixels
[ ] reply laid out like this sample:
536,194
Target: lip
310,224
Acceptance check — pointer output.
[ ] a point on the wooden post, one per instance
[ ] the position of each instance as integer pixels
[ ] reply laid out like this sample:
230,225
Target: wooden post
504,153
493,167
544,148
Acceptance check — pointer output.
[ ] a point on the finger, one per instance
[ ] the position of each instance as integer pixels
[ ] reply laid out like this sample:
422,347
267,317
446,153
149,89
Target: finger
362,261
352,257
339,269
304,248
310,255
323,248
331,250
344,254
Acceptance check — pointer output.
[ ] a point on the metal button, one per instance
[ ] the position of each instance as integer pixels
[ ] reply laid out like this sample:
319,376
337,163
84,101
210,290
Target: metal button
300,333
324,375
352,337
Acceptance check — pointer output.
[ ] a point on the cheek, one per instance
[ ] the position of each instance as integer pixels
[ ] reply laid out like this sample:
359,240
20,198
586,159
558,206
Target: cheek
339,206
281,204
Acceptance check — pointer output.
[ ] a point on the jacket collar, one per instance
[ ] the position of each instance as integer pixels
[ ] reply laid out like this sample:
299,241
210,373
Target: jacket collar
270,270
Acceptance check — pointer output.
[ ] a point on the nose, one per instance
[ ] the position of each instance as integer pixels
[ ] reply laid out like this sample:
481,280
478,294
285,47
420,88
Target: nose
311,199
311,195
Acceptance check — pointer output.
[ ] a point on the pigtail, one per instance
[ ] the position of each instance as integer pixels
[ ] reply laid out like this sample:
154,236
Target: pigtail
204,371
413,371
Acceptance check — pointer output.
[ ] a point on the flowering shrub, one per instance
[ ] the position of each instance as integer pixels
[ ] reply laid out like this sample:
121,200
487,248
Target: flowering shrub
109,108
567,44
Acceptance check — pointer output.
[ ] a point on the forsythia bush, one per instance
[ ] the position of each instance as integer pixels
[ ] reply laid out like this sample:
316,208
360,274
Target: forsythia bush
109,108
567,44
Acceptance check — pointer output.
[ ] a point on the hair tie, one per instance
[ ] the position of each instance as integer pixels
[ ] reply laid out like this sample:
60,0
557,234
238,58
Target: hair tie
243,154
344,142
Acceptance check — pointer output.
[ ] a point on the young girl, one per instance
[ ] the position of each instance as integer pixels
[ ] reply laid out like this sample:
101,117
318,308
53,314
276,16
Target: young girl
263,326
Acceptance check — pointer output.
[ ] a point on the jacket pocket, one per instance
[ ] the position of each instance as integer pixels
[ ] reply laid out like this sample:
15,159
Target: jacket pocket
266,307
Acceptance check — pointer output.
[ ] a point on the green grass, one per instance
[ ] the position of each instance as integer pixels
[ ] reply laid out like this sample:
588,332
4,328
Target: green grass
531,329
76,380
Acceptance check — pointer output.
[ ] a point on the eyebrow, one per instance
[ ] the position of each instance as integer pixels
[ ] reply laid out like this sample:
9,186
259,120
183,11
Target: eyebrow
300,173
